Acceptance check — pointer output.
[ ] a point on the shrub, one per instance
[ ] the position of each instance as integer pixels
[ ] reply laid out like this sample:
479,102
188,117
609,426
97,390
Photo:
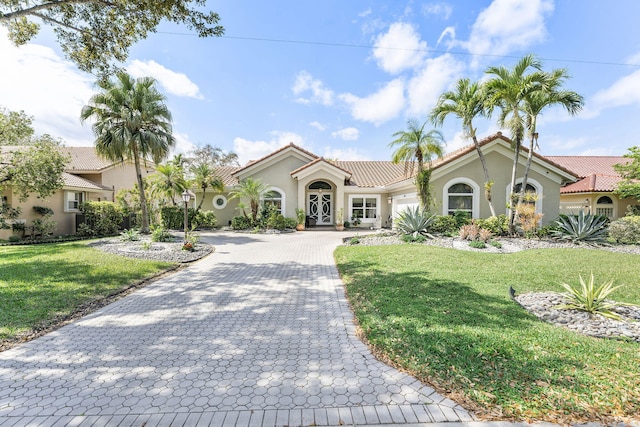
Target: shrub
444,224
484,235
410,238
591,298
204,219
172,217
496,224
495,244
241,223
477,244
414,221
160,234
633,210
279,222
130,235
462,218
581,228
528,219
100,218
14,239
625,230
354,240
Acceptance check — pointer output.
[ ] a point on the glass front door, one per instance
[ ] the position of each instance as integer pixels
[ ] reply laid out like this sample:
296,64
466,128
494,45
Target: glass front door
320,208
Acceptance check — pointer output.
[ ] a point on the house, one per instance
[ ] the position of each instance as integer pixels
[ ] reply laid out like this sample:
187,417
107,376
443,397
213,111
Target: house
593,192
88,177
376,191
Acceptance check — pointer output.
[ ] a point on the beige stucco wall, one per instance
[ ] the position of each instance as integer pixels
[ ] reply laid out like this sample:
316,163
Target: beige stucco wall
122,176
224,215
573,203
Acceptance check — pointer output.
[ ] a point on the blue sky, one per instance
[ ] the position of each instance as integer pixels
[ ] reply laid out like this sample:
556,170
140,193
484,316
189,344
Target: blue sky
340,77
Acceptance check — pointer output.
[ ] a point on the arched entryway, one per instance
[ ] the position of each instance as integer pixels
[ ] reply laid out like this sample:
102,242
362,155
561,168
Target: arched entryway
320,200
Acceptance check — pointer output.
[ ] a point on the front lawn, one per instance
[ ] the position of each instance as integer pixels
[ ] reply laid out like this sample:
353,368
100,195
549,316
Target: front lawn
41,284
445,316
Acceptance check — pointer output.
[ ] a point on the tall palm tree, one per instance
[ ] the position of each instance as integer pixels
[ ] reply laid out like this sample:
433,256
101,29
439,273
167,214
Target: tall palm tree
417,146
204,176
551,94
252,189
466,102
131,122
507,91
167,181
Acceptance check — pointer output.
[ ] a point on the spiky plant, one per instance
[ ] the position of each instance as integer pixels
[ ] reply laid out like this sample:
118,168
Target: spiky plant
591,298
582,228
414,221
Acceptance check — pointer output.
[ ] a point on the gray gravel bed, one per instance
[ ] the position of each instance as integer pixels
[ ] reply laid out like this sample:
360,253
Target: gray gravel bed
157,251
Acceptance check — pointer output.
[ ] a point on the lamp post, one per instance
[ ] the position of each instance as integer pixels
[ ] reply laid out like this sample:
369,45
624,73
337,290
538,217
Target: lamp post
186,196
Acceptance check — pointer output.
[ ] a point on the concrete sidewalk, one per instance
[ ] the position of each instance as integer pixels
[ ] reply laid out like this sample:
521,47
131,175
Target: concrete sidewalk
257,334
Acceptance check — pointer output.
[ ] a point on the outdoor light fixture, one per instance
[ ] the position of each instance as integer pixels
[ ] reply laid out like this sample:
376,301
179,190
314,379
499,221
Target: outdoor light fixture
186,196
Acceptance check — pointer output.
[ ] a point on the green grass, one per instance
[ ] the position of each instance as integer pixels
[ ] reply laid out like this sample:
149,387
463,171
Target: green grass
45,282
445,315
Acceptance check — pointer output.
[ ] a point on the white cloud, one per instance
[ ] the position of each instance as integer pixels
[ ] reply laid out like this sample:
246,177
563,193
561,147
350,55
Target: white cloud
175,83
399,48
449,31
344,154
306,83
47,87
457,142
625,91
509,25
442,9
347,134
318,125
427,85
183,145
384,105
365,13
252,150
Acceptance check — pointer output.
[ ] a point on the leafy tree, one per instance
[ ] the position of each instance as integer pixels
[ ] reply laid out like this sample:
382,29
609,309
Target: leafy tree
466,103
93,33
131,122
213,156
548,95
167,181
15,127
36,169
416,145
204,176
254,190
630,171
507,91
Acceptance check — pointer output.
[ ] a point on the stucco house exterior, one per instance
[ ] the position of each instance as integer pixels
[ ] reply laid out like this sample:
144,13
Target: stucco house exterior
378,190
593,191
88,177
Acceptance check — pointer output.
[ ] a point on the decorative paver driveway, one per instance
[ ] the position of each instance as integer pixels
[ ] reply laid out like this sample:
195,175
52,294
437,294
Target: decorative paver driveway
258,333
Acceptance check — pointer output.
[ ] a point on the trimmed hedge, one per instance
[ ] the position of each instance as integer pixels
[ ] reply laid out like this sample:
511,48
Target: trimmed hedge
101,218
625,230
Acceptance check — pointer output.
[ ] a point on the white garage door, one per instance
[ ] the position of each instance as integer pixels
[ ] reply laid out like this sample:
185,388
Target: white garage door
401,205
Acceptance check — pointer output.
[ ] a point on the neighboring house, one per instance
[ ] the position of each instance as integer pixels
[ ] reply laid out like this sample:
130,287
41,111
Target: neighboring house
593,192
377,191
87,177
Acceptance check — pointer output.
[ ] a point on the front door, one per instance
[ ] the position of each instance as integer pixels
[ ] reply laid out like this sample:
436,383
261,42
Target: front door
319,208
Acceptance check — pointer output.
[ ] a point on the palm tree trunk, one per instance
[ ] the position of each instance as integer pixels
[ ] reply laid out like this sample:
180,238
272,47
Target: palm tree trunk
144,227
512,189
527,167
204,189
485,171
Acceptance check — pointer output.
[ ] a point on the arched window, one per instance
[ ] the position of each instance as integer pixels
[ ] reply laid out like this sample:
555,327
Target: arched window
533,193
275,198
530,194
461,194
319,185
604,206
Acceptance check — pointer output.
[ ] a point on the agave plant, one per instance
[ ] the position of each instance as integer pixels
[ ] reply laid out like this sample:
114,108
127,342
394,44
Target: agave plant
582,228
591,298
414,222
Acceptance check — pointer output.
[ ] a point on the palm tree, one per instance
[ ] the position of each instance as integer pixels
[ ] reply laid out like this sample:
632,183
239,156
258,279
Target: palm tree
507,91
254,190
536,101
167,181
204,176
131,122
414,145
466,102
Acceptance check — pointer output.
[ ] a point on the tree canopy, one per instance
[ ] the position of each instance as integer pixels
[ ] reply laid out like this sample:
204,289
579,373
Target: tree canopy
93,33
630,171
15,127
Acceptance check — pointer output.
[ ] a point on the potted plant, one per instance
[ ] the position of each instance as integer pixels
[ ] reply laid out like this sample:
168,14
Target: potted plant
340,220
301,217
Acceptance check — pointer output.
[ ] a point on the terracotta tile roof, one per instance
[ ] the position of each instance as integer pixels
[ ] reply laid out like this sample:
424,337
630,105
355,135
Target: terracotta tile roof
290,145
225,173
78,182
320,160
594,183
86,159
584,166
372,173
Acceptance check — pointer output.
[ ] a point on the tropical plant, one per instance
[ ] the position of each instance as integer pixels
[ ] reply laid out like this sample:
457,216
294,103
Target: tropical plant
131,122
507,91
527,218
241,222
591,298
625,230
581,228
252,189
548,95
417,146
466,103
477,244
204,177
161,234
497,225
300,216
167,181
204,219
131,235
414,221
